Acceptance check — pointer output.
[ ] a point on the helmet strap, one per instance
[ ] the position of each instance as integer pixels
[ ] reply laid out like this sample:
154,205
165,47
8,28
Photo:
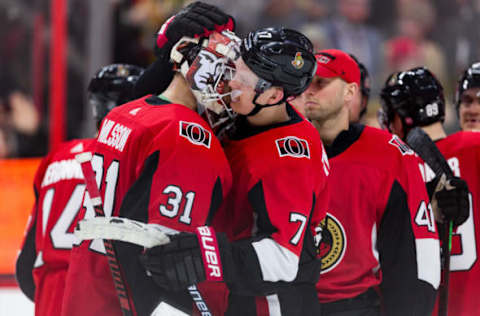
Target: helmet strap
261,87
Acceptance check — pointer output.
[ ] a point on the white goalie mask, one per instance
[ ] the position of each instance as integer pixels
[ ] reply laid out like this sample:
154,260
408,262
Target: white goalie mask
208,65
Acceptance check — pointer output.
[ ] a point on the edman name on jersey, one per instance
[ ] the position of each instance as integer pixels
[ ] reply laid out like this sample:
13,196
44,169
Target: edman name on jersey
62,170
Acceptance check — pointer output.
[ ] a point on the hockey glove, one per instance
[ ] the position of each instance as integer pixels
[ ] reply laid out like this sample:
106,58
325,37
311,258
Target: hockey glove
453,201
195,20
188,259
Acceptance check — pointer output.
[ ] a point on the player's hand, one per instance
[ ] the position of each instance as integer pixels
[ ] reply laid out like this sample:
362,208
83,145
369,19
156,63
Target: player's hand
185,260
452,201
195,20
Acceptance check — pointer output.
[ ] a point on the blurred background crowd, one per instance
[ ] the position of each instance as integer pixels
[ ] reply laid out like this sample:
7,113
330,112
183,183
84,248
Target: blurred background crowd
385,35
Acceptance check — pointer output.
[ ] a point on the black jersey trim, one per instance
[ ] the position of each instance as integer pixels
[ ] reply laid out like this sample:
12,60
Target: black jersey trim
309,265
256,197
215,201
243,129
26,260
344,140
402,292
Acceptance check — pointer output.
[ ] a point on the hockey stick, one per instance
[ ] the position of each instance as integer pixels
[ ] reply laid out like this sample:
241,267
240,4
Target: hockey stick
423,145
96,228
85,162
122,229
138,233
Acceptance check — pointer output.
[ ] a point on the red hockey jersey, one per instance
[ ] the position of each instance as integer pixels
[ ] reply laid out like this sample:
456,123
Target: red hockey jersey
462,151
380,225
44,258
155,162
278,198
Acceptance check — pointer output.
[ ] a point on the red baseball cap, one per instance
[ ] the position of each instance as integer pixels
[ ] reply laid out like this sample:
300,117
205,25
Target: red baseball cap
336,63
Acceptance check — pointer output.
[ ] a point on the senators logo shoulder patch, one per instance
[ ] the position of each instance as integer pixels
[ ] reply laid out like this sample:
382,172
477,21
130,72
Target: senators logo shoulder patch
195,133
293,146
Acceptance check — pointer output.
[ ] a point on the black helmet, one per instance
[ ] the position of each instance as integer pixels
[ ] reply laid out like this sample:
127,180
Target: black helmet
415,95
469,79
111,86
280,57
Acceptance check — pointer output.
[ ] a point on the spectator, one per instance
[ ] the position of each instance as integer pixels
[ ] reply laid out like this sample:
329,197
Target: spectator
348,31
411,46
20,129
459,37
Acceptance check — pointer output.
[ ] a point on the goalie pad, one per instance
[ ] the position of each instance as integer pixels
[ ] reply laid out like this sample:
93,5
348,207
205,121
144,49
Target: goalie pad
123,229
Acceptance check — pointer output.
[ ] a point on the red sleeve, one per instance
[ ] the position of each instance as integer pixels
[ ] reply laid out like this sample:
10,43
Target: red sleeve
292,199
28,252
409,278
181,184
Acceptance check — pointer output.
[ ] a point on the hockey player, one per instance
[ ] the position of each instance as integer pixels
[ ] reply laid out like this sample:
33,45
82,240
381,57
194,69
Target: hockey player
468,98
59,186
372,239
158,161
358,106
279,194
415,98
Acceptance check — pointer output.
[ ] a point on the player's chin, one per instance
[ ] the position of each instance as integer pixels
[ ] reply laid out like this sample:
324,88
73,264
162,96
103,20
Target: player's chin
471,125
312,114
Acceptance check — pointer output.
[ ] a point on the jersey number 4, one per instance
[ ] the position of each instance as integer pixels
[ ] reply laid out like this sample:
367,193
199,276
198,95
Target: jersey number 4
424,216
60,235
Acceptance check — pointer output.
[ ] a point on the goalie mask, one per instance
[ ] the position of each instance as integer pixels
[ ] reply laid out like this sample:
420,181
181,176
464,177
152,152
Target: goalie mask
208,64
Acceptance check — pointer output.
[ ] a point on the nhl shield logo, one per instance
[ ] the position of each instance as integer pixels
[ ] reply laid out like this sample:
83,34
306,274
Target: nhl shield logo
293,147
195,133
298,61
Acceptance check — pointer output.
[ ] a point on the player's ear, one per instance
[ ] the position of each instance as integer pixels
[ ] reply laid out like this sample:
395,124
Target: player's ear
349,91
276,94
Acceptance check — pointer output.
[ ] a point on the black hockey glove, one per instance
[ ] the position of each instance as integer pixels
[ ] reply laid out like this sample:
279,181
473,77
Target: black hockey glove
453,201
195,20
188,259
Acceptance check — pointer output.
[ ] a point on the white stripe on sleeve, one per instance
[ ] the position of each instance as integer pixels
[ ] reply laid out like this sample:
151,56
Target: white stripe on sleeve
276,262
428,260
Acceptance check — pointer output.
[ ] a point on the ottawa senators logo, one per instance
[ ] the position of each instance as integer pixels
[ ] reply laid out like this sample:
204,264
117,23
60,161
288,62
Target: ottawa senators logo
404,149
298,61
195,133
122,71
333,244
293,147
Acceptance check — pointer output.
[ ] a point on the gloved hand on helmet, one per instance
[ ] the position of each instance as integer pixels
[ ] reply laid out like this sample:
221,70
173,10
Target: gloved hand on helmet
195,20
